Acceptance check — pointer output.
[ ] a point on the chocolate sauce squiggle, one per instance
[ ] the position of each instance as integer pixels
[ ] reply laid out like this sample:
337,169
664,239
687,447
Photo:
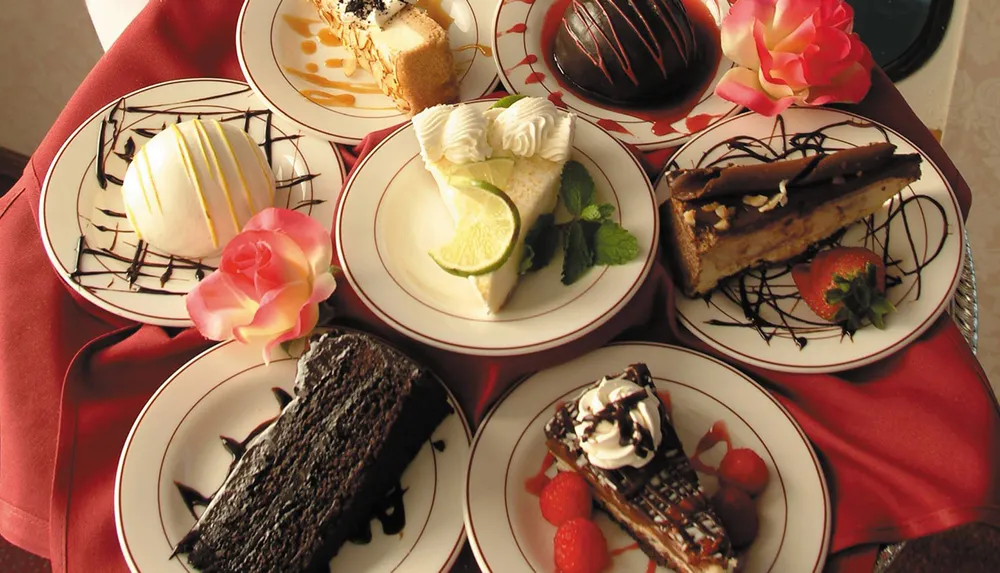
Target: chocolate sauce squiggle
754,290
111,145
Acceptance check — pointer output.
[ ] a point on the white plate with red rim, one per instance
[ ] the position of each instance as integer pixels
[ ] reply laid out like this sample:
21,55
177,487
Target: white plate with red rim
227,391
926,212
525,67
74,205
296,66
391,215
503,520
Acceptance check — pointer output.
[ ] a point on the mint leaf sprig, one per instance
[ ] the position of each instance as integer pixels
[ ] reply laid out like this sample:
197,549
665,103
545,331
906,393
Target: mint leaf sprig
588,239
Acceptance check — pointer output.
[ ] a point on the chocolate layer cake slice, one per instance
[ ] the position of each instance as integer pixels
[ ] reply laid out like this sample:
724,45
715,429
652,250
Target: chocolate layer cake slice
727,219
361,412
616,435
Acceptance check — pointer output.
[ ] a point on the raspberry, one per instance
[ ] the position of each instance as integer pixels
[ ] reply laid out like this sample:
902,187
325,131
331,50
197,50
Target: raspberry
566,496
738,514
580,547
743,468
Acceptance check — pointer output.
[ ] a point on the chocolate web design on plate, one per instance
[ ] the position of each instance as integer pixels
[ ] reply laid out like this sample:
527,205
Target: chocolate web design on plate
767,289
123,131
389,511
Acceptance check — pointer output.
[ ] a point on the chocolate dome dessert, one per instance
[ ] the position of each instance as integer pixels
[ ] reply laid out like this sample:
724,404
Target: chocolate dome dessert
627,52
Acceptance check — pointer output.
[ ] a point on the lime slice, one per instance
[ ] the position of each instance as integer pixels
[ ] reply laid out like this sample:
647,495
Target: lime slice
509,100
496,171
485,235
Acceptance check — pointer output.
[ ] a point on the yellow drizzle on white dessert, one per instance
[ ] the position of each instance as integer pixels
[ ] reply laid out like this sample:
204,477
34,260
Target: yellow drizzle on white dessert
239,168
202,197
192,173
202,140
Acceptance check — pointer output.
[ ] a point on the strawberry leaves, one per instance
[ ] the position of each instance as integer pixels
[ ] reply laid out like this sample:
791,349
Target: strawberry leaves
845,286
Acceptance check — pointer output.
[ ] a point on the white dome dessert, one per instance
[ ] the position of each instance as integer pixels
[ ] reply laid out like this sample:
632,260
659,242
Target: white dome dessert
192,187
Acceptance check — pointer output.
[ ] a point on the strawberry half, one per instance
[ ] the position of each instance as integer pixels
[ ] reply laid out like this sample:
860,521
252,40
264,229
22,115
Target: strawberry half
845,285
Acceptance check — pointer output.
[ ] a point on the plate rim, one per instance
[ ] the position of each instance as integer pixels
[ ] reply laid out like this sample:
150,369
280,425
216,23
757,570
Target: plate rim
45,191
521,350
734,111
658,347
221,346
302,124
942,306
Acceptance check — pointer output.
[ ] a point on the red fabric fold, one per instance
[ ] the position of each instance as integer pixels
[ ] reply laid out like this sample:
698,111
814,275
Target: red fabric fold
909,445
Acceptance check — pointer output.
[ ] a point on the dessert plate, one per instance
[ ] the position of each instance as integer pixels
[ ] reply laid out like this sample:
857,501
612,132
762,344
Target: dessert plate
296,68
226,391
504,522
921,228
391,215
89,241
523,48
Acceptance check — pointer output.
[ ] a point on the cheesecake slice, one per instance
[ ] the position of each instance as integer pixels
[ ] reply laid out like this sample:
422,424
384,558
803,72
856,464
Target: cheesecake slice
406,51
727,219
532,140
618,437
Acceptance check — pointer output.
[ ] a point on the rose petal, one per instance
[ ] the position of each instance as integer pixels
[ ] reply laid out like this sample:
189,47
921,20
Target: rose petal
737,31
308,234
795,41
217,306
305,322
323,286
742,86
851,86
278,314
789,15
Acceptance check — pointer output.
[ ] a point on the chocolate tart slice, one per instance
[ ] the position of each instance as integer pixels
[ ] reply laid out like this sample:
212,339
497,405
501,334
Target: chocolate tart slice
660,504
727,219
305,485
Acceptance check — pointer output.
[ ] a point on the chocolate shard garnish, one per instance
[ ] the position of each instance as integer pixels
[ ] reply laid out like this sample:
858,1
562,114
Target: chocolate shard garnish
738,180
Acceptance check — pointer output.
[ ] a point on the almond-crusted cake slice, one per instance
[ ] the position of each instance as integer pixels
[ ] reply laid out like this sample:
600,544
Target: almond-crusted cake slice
618,437
727,219
406,51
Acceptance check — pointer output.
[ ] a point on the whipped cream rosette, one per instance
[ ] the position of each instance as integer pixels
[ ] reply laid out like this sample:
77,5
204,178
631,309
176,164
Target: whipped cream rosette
618,424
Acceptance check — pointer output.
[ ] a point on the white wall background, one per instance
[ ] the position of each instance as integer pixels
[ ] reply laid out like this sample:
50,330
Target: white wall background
46,49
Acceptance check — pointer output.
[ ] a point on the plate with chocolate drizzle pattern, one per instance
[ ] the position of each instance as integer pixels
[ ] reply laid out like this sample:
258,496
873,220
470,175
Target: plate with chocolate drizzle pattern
306,75
714,409
86,234
644,70
758,315
193,430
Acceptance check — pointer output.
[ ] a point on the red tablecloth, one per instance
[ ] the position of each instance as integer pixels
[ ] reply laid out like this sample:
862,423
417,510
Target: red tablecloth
909,445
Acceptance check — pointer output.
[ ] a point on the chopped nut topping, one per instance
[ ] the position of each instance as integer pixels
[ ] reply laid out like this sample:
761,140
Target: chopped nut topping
754,200
780,198
689,217
723,212
722,225
710,206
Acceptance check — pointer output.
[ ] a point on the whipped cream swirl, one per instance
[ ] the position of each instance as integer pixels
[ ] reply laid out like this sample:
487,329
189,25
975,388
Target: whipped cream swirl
534,126
375,12
456,133
618,424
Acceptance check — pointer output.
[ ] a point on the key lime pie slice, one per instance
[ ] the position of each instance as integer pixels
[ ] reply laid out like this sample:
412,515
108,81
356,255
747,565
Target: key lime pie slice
488,160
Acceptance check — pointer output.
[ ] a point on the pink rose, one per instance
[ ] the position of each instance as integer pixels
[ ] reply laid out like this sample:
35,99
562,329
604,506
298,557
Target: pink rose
793,52
268,287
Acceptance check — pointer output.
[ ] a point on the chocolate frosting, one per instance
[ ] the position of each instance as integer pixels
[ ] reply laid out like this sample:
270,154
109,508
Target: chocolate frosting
627,52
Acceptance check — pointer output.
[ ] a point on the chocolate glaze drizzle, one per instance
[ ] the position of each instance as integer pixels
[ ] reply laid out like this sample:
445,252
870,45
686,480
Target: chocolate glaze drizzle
756,290
117,138
625,52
